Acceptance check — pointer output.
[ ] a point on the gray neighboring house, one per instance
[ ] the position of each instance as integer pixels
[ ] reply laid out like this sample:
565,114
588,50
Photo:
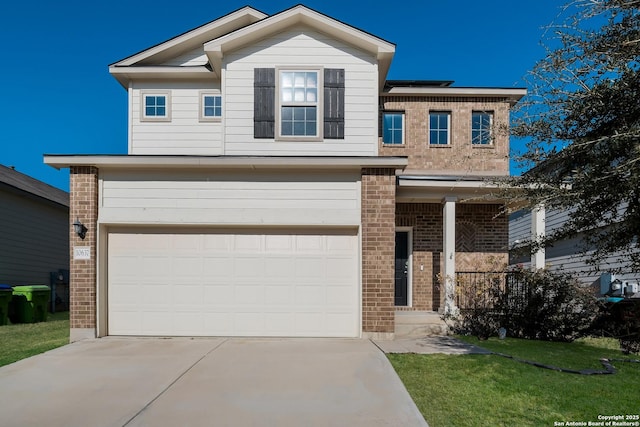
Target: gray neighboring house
34,229
565,255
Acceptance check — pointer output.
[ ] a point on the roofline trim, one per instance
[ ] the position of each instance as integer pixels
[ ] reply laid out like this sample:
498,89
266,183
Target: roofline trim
59,161
185,36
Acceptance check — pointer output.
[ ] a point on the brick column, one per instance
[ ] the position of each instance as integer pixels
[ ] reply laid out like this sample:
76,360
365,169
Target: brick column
378,252
84,207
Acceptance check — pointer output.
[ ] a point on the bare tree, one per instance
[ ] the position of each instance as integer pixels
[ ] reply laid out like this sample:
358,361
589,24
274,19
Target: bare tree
582,121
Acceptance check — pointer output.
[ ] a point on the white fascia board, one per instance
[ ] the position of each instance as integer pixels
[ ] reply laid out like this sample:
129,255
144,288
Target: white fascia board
383,50
287,162
515,94
125,74
199,35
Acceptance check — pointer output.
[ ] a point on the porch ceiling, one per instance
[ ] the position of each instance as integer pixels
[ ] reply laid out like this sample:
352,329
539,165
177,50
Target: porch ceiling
433,189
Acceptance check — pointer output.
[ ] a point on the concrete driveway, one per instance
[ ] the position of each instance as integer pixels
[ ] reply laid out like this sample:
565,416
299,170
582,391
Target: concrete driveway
206,382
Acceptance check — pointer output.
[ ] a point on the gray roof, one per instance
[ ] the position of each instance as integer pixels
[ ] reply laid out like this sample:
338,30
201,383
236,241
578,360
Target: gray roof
19,181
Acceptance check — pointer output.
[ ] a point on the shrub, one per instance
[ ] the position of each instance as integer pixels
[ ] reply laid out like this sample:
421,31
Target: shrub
534,305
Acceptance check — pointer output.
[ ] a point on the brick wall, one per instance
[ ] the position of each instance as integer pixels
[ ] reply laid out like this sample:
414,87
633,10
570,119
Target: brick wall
83,206
460,157
378,250
481,238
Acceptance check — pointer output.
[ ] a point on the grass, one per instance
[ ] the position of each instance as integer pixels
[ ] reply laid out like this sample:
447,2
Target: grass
20,341
488,390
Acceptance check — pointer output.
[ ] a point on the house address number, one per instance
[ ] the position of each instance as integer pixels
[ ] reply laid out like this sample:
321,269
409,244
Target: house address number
82,252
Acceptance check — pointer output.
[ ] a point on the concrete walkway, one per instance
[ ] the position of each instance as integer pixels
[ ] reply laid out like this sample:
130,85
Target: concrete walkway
206,382
429,345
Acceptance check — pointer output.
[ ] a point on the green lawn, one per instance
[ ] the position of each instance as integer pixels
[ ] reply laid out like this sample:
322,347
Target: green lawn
24,340
488,390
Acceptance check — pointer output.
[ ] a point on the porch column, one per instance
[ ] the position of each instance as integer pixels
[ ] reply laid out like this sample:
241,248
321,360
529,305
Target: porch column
538,214
449,252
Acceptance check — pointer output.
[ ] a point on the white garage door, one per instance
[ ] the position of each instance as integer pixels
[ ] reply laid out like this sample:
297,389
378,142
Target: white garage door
233,284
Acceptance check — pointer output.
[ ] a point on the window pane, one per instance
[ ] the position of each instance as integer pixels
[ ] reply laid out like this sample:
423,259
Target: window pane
299,95
439,128
287,80
287,95
287,128
298,128
160,111
392,128
311,113
299,114
208,101
150,111
481,128
312,80
287,113
312,95
160,100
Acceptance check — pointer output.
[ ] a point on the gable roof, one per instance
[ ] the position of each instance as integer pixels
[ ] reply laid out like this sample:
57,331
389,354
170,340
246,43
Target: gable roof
237,29
300,14
149,61
17,181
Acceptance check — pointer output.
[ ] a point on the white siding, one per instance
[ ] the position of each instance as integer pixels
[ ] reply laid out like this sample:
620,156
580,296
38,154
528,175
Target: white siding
301,47
230,198
184,134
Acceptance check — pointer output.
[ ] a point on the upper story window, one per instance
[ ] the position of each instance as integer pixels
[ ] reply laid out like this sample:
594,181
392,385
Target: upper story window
393,128
305,104
299,103
439,125
155,106
481,123
210,106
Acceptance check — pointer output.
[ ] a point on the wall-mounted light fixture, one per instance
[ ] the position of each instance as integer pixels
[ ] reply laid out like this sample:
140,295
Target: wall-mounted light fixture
79,228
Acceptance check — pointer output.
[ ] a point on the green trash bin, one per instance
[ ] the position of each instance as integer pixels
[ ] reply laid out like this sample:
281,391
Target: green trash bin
30,303
5,297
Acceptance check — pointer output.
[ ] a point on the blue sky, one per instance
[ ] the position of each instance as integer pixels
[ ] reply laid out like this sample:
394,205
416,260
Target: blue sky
59,98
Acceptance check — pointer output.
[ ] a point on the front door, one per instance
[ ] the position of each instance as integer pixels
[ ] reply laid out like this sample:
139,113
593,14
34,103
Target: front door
402,268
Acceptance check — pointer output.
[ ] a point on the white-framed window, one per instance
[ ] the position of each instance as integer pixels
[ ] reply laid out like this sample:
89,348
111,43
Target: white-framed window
210,106
393,128
439,127
155,106
299,104
481,124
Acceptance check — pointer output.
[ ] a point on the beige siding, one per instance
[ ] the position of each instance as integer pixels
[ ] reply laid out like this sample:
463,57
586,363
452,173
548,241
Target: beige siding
301,47
189,59
184,134
34,239
230,198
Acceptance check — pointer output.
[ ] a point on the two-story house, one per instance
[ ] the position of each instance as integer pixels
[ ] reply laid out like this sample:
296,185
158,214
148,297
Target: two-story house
276,184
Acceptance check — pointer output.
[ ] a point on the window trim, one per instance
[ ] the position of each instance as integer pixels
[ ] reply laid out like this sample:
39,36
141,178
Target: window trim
403,115
143,104
491,135
433,144
201,116
319,104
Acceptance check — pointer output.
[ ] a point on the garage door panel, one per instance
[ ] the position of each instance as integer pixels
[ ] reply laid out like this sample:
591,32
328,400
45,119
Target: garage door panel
208,284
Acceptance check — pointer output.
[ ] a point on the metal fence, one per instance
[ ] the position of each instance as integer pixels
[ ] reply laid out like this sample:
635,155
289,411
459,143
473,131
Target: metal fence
482,290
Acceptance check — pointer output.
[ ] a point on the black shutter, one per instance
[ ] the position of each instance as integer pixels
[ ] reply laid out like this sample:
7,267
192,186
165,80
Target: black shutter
333,103
264,101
